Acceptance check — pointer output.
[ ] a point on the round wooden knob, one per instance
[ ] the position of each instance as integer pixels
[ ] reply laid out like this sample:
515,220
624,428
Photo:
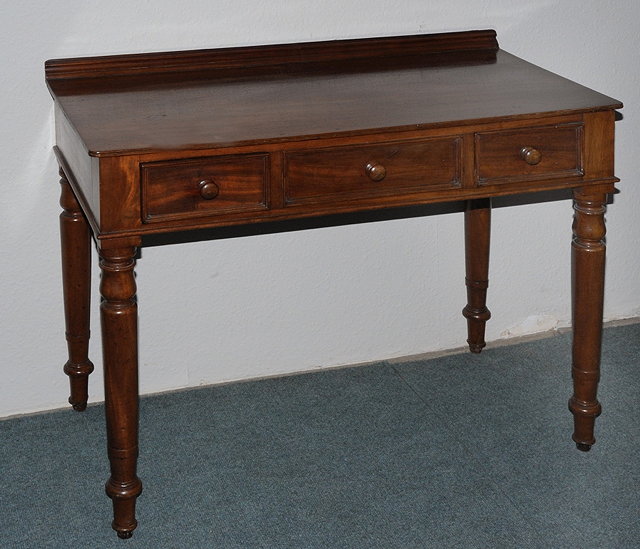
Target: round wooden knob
208,189
530,155
376,171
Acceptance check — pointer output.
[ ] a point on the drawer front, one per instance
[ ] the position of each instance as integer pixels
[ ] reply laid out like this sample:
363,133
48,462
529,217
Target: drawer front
203,187
533,153
366,171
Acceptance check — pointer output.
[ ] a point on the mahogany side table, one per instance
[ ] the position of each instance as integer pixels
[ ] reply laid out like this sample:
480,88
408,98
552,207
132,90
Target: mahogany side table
174,142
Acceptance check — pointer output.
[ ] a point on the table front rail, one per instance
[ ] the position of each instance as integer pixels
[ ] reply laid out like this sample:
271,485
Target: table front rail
311,178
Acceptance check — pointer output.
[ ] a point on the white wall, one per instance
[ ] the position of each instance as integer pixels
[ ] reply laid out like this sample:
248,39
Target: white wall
263,305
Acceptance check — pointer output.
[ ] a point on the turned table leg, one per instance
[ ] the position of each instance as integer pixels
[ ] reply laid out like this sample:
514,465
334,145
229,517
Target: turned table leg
75,240
119,318
477,229
587,264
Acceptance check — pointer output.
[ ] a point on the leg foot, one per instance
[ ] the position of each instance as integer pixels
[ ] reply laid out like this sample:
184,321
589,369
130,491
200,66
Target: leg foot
583,447
81,407
476,347
78,379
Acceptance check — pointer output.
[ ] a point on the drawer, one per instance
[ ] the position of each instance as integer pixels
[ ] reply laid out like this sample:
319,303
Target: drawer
532,153
203,187
364,171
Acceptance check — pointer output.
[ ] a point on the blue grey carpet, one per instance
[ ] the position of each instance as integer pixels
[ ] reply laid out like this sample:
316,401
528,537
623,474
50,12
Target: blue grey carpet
468,451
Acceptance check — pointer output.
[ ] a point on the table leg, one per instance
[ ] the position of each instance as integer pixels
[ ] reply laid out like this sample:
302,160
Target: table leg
119,317
587,264
477,229
75,240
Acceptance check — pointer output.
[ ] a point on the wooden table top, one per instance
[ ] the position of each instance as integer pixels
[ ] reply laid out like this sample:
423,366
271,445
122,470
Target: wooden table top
204,99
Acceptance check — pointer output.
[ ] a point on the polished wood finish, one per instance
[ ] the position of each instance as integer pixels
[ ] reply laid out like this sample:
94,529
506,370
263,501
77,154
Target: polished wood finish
119,318
170,142
136,109
204,187
588,259
540,153
280,58
337,174
531,155
477,234
75,241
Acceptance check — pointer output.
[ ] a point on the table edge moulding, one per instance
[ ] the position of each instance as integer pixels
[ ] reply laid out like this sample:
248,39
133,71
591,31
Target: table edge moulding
183,142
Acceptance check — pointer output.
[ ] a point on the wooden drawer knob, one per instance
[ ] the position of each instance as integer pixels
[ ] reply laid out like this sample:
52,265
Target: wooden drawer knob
375,171
530,155
209,189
